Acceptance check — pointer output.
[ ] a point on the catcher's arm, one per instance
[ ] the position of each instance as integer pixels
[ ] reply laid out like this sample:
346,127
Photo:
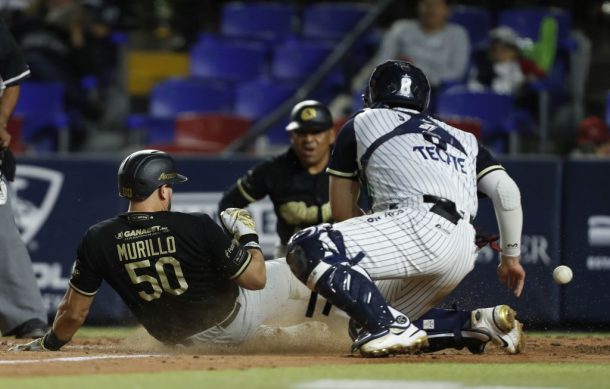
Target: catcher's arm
344,198
506,198
71,314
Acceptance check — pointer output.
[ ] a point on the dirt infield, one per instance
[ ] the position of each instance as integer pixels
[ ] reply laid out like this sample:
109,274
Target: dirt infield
139,353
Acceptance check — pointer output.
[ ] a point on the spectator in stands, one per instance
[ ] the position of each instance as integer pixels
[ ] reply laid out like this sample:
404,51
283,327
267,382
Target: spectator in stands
54,40
439,48
503,69
593,138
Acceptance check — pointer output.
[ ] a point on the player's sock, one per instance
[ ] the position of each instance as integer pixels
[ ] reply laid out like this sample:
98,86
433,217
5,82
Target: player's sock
449,328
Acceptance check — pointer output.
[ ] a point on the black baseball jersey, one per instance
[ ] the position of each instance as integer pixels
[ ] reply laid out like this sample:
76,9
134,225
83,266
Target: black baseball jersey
299,199
13,68
173,270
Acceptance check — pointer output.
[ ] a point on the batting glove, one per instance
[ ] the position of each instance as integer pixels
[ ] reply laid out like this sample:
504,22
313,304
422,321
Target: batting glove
34,345
241,225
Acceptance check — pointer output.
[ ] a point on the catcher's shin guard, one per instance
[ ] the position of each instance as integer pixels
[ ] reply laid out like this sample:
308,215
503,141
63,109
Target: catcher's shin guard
328,271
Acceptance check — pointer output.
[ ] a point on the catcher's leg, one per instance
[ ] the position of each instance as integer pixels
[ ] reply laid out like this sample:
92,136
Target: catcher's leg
318,258
447,328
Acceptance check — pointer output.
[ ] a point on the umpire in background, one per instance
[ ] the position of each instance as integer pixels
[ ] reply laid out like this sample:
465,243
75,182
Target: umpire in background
22,313
296,181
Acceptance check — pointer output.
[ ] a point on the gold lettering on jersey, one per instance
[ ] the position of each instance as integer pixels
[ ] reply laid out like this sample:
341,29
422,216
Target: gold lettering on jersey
146,248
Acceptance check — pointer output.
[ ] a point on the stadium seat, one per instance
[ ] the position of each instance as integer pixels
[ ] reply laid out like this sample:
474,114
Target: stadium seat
255,99
476,20
263,21
204,133
229,60
176,96
298,59
332,20
494,111
41,105
179,95
295,60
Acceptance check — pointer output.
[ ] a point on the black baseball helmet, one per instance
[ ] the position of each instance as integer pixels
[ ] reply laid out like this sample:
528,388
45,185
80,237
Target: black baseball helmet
142,172
398,83
310,115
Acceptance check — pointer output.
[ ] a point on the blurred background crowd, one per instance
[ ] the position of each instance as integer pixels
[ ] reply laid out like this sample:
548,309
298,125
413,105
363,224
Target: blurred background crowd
195,76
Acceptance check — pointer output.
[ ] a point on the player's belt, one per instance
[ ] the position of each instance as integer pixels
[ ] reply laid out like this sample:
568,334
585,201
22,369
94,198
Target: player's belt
444,208
227,322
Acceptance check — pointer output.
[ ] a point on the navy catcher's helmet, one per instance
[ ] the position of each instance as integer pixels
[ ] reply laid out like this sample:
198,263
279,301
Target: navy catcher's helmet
310,115
398,83
142,172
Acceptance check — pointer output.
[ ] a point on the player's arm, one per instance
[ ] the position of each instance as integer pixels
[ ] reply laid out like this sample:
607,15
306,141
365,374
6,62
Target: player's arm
343,194
243,260
344,186
13,70
494,182
249,188
8,101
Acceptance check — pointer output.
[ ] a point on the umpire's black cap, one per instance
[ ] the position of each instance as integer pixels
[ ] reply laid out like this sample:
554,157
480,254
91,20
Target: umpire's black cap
310,115
142,172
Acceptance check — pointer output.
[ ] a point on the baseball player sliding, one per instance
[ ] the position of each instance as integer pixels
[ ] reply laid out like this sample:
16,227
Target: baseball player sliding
183,278
418,244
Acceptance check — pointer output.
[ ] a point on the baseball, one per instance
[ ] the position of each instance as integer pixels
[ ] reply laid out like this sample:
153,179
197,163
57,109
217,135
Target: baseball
562,274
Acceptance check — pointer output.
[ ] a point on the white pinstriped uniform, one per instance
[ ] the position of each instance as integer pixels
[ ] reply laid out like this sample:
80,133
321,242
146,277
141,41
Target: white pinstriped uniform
416,256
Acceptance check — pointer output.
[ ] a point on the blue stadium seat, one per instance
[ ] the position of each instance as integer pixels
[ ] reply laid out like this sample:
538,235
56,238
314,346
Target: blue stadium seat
493,110
177,96
332,20
295,60
41,105
476,20
255,99
263,21
298,59
228,60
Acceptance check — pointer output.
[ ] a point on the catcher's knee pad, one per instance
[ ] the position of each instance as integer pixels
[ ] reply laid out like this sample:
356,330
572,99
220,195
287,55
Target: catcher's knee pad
308,253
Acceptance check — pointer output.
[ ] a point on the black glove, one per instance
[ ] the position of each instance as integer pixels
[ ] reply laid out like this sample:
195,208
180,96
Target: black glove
7,164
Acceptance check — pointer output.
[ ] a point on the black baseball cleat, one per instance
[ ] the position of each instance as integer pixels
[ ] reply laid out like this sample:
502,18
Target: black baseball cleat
31,329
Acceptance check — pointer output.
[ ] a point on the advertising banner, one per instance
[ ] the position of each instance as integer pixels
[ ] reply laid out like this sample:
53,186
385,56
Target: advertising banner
540,183
586,241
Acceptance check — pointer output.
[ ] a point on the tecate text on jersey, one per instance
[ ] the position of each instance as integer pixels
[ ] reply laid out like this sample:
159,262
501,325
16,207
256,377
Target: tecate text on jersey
437,154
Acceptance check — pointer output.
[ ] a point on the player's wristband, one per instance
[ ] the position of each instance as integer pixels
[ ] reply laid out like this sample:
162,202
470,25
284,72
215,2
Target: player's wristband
249,241
51,342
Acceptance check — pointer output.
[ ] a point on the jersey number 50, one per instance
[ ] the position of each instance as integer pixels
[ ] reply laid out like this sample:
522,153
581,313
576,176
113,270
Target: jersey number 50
153,282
